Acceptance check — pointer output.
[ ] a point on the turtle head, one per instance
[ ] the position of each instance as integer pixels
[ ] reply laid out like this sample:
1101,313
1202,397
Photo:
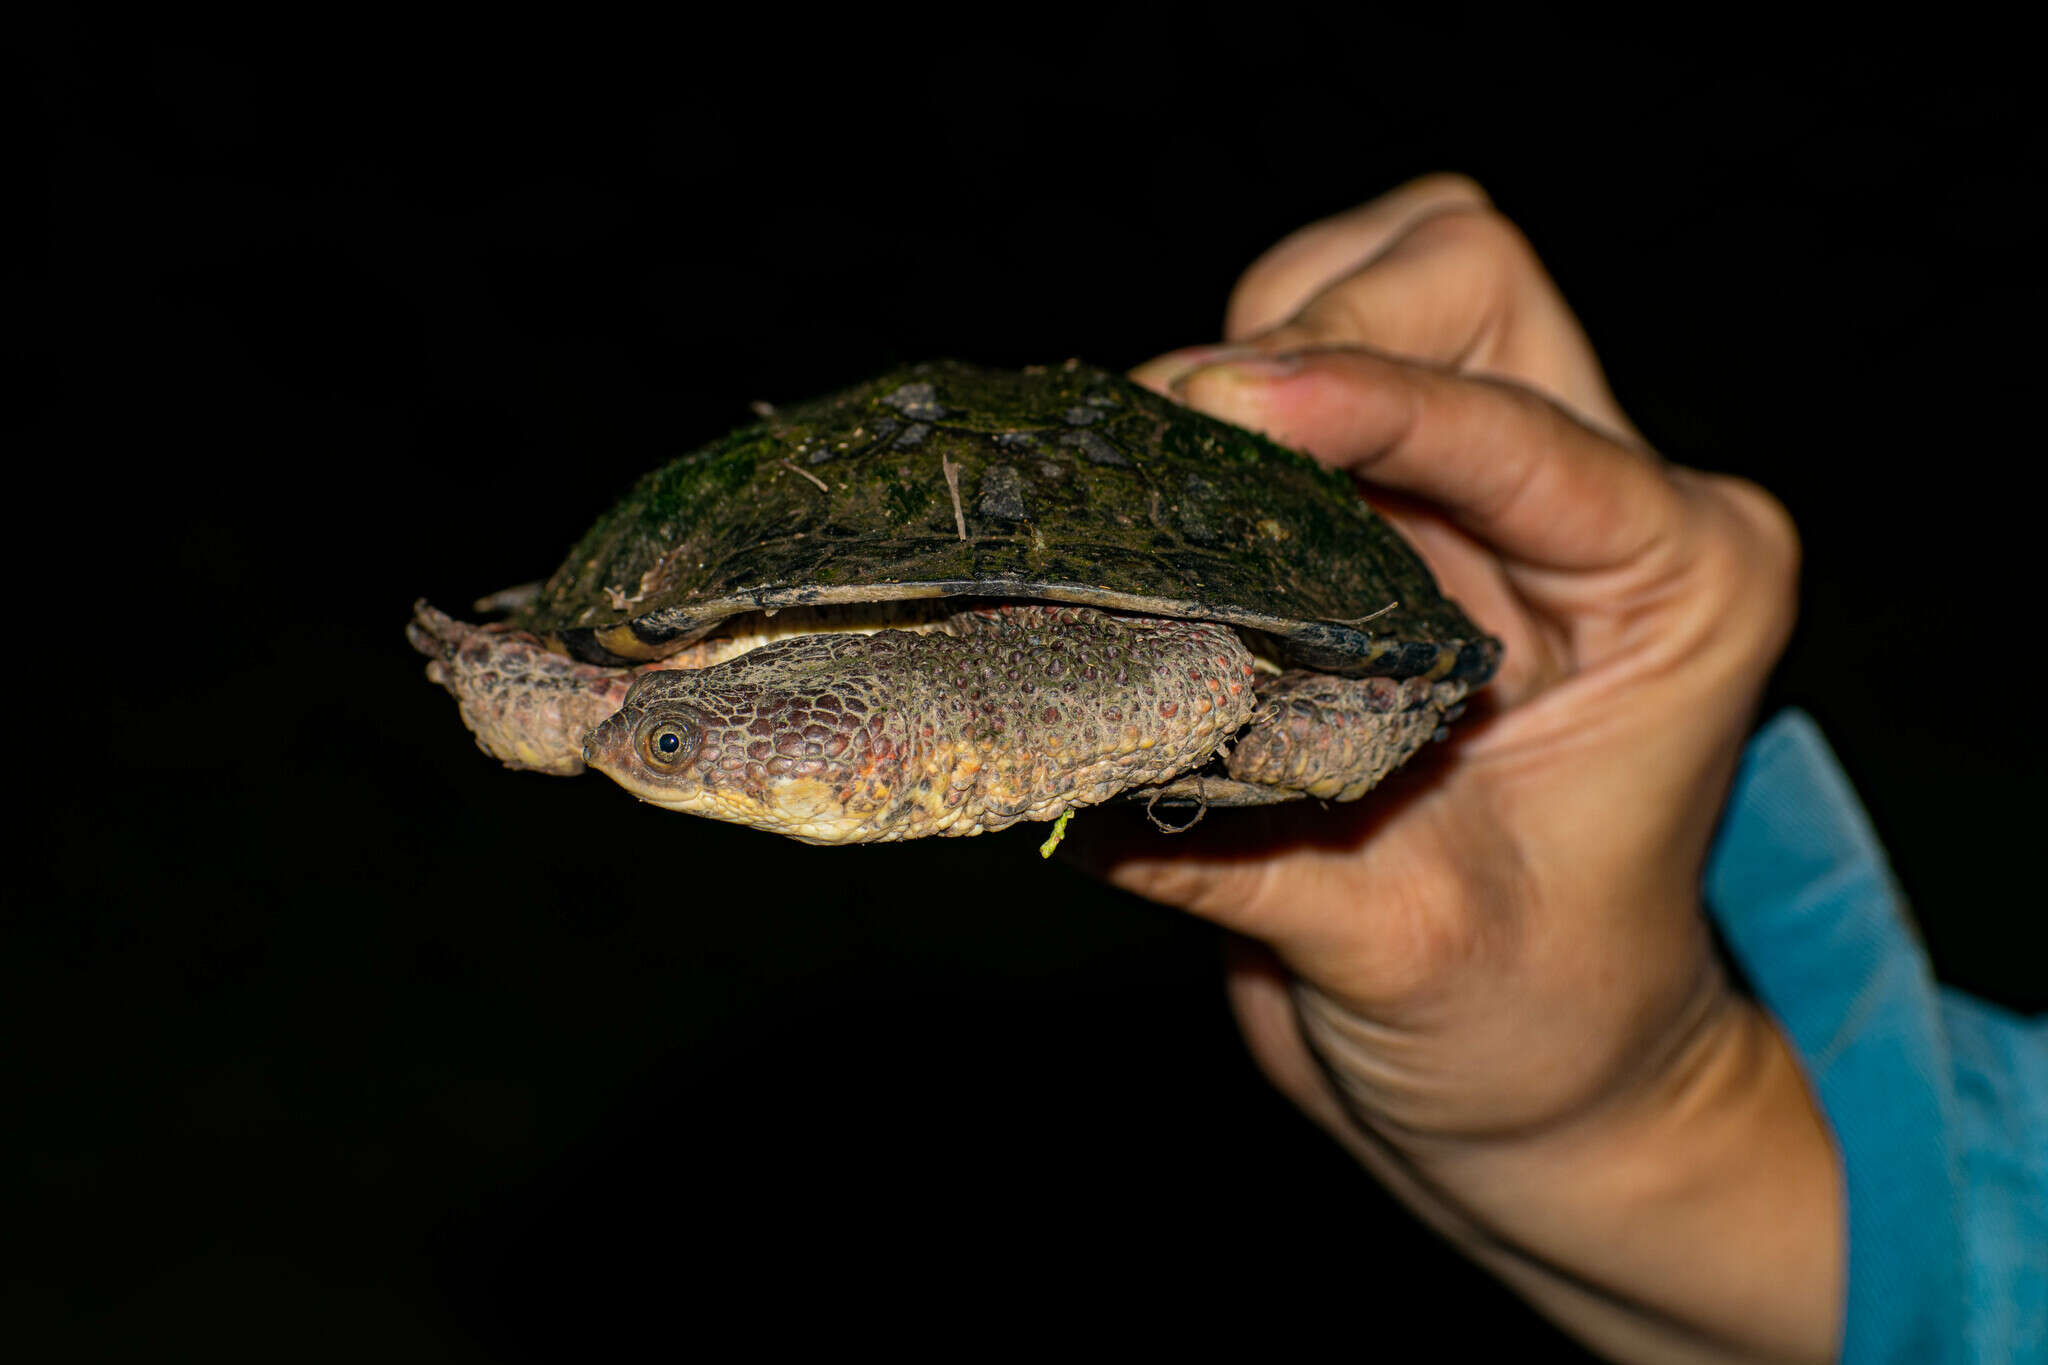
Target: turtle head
732,745
656,746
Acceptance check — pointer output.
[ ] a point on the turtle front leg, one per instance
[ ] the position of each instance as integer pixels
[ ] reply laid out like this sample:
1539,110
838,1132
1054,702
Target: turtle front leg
527,705
1335,738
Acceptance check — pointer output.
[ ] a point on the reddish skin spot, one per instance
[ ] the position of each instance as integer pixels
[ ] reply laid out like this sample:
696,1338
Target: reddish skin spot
1168,708
1052,714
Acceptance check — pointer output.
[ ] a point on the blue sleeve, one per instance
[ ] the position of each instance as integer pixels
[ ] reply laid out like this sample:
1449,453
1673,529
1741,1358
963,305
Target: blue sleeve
1938,1102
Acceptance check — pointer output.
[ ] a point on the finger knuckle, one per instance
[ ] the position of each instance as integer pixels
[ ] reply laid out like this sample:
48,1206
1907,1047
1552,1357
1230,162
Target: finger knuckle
1767,524
1476,231
1449,186
1751,548
1250,301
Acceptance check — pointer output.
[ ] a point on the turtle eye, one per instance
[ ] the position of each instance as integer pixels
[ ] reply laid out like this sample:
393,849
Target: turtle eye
670,743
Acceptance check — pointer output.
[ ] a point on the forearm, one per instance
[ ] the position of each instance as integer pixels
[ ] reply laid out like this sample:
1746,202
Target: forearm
1697,1218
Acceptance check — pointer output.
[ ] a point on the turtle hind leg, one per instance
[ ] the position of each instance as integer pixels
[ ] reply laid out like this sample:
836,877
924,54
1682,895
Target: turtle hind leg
1335,738
527,705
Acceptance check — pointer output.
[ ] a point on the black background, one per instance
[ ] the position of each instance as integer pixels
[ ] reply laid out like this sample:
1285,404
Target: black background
334,1039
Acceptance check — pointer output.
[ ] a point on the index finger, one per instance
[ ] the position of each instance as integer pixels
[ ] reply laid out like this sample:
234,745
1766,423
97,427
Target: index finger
1509,466
1304,262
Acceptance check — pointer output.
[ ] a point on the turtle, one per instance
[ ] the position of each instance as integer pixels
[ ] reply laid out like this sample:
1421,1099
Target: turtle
953,598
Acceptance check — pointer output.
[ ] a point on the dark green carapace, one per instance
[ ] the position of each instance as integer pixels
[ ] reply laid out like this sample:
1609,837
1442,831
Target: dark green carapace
1066,484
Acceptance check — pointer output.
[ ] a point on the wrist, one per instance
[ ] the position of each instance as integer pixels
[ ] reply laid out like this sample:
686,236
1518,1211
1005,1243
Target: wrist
1698,1201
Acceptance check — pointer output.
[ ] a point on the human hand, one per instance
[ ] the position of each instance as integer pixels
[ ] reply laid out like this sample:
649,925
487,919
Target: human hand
1492,978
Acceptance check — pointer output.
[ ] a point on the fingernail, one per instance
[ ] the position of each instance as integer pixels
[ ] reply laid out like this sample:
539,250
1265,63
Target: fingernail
1251,367
1162,373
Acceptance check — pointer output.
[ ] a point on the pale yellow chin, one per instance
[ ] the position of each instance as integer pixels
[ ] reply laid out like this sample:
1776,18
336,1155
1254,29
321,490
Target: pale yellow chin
803,808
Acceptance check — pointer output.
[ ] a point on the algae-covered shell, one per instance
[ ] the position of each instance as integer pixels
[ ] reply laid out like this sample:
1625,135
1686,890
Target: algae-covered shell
1064,483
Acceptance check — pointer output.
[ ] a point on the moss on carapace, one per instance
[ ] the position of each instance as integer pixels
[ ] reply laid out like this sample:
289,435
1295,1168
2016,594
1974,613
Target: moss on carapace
1072,484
